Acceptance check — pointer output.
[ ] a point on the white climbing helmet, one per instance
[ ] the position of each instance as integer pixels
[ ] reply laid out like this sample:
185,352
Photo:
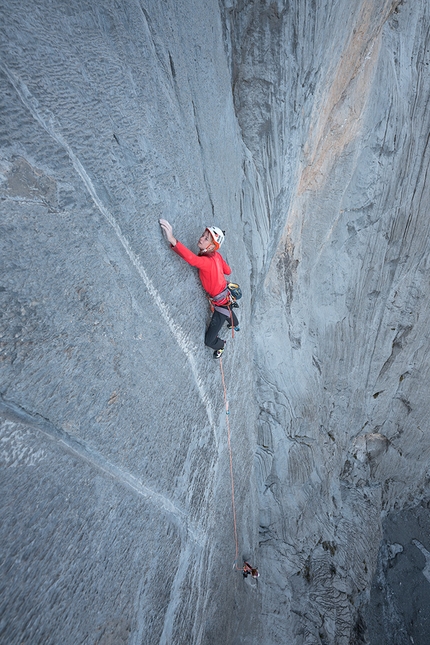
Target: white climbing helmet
217,235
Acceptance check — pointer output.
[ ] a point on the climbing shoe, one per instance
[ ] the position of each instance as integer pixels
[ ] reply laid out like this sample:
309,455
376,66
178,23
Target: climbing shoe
237,328
218,352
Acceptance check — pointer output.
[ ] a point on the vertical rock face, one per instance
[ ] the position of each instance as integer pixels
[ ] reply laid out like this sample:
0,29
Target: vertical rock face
118,523
302,129
339,141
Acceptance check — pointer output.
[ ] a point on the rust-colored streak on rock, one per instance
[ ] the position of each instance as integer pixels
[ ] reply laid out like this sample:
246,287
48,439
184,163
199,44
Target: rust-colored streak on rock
337,115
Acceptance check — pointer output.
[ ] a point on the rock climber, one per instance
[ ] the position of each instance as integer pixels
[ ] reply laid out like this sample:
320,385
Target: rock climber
248,570
212,269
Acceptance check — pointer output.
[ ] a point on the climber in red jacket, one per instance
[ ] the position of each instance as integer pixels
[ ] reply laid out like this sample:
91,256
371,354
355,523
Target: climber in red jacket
212,269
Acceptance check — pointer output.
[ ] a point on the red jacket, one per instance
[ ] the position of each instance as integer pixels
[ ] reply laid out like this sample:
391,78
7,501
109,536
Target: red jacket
212,268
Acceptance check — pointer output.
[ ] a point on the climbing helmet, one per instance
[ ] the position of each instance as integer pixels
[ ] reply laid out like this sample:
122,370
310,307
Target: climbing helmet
217,234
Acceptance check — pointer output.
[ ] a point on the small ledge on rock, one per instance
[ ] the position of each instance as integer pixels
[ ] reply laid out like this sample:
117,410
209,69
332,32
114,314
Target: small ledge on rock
393,550
376,444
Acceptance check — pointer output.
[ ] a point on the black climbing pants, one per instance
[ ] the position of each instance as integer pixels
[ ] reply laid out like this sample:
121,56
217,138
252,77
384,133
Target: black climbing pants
217,321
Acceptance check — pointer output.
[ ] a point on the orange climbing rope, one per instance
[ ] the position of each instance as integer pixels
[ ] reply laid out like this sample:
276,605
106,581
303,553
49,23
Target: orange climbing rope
227,412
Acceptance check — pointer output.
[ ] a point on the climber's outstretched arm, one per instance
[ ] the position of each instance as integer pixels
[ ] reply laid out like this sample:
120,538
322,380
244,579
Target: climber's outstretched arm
168,231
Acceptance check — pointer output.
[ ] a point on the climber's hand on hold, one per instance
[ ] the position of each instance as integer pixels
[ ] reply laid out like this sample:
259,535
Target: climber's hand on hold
168,231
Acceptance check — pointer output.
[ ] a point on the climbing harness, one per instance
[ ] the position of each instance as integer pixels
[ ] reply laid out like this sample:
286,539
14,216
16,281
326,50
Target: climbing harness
220,300
227,300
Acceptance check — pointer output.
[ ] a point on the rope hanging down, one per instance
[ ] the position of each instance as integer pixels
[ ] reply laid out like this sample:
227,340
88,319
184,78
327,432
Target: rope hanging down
246,569
227,412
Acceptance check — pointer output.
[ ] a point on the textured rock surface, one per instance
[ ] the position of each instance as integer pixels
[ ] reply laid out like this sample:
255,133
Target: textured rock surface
302,129
341,323
399,598
116,481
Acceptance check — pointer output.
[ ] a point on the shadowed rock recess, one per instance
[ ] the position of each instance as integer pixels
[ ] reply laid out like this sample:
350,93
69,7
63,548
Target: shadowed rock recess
302,129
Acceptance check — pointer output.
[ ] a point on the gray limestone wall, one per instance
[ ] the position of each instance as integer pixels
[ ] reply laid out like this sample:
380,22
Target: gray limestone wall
301,128
117,522
342,313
